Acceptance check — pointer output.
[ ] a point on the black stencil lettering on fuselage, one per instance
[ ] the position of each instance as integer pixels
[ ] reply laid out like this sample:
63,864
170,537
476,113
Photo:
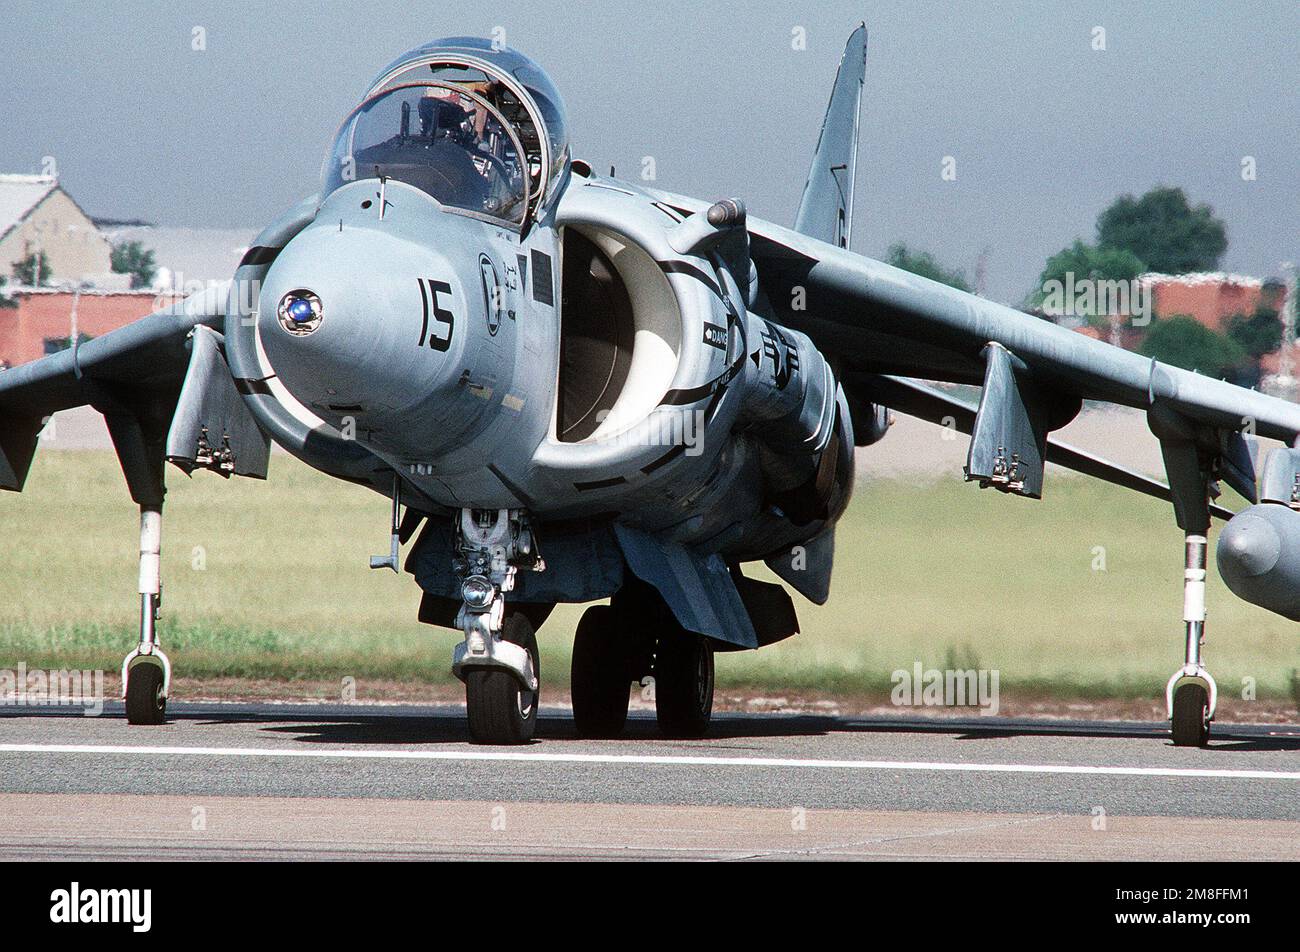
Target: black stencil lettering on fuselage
429,291
523,272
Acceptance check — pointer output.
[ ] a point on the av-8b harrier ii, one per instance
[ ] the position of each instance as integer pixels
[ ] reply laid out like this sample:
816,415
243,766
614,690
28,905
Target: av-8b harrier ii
575,388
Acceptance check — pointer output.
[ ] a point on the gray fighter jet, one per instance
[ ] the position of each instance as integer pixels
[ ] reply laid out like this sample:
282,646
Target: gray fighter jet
575,388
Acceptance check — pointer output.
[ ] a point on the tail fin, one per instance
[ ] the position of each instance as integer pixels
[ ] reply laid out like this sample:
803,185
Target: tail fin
826,210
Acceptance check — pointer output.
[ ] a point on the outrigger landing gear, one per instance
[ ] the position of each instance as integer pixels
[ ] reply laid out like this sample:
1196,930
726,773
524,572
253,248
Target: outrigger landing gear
1191,694
498,659
146,672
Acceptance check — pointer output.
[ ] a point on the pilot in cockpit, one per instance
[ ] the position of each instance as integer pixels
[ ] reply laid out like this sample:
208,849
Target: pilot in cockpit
441,113
461,155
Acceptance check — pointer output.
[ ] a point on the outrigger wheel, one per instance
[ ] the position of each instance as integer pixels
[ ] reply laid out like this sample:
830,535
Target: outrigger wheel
145,703
501,710
1190,720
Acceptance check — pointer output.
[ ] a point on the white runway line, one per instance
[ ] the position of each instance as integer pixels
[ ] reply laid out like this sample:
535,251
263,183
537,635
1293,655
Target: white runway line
685,760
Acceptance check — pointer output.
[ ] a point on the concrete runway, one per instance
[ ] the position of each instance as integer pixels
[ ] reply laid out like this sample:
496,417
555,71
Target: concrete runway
293,781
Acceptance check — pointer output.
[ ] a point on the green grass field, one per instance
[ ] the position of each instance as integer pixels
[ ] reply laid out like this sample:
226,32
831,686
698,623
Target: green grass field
270,580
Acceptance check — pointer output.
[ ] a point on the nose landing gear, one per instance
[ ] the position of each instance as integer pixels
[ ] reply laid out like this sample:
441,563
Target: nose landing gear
498,660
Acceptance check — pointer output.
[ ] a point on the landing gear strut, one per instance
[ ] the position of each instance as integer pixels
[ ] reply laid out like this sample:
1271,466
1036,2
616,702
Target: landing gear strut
1191,694
147,672
498,659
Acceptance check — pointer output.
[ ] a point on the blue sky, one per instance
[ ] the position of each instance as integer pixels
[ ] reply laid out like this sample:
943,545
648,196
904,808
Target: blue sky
1045,129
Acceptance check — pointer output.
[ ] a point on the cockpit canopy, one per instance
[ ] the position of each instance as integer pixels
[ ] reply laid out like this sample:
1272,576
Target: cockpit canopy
444,140
478,126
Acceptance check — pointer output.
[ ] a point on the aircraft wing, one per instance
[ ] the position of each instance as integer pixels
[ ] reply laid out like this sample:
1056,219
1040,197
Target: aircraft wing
874,319
877,319
891,321
133,375
918,399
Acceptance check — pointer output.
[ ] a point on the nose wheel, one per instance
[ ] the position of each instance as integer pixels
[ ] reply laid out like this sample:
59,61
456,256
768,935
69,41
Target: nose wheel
501,710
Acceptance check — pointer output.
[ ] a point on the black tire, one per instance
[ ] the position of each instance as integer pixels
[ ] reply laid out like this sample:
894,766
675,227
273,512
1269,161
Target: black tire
144,701
600,678
683,684
1189,725
500,711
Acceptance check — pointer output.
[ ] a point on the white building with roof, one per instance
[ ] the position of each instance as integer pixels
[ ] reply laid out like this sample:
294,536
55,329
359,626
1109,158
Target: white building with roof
38,217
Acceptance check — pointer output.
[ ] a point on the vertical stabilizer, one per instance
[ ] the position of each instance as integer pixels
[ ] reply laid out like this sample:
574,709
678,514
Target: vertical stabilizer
826,210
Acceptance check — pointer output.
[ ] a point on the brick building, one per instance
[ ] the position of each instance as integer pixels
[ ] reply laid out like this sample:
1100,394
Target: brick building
1213,297
42,319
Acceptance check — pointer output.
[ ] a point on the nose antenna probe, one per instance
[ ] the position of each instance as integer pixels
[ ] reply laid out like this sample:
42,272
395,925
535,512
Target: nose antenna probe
389,561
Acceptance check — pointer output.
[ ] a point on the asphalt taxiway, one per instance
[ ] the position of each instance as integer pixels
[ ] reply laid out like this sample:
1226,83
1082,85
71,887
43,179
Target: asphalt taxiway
271,780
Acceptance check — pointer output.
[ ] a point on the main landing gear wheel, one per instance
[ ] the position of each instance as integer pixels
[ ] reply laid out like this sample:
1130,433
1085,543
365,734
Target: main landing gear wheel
683,670
145,703
600,679
501,710
1190,724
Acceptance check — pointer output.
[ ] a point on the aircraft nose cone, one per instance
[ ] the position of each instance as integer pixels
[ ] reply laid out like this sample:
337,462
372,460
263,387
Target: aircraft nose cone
1248,546
341,314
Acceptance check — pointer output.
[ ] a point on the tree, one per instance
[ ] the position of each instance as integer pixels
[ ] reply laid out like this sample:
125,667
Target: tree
1257,334
131,257
1166,232
1070,267
34,270
924,264
1185,342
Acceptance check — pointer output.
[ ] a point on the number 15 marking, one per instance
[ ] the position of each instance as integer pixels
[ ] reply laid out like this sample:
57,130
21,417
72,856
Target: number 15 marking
429,290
